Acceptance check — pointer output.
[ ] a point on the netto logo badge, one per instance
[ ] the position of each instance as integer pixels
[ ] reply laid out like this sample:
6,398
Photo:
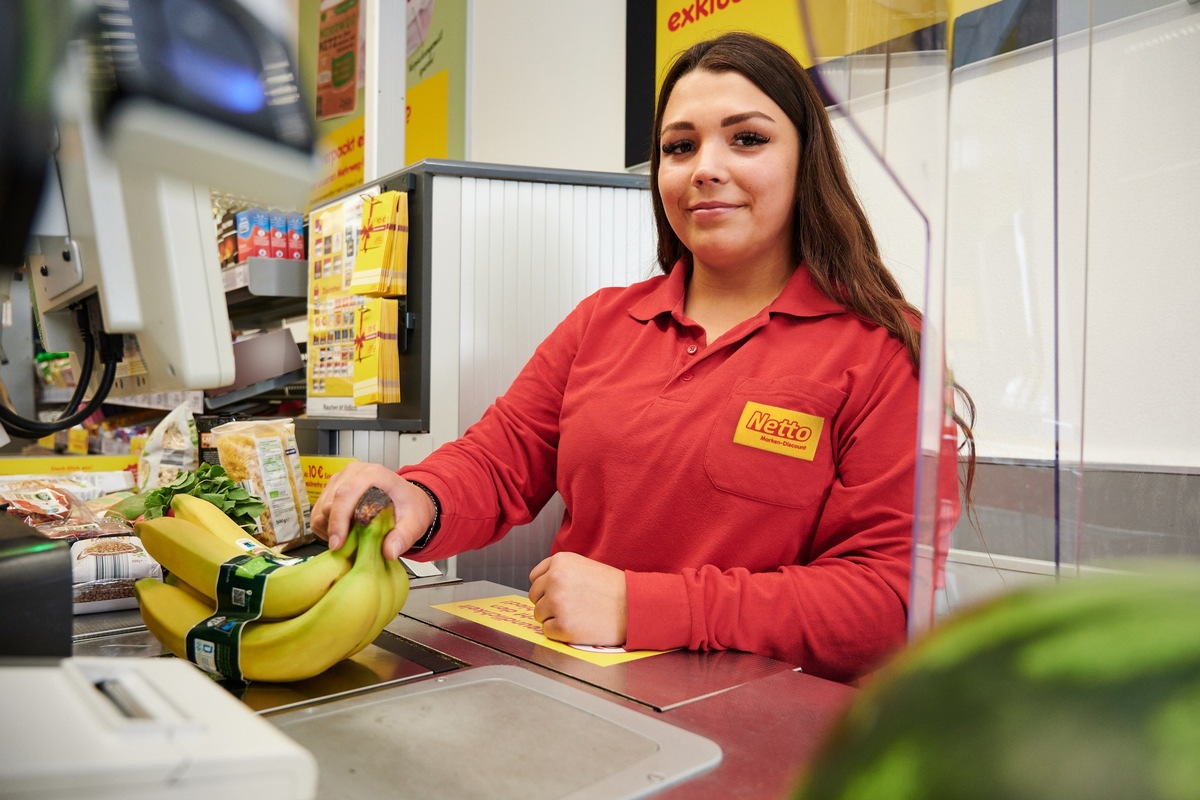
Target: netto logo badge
779,430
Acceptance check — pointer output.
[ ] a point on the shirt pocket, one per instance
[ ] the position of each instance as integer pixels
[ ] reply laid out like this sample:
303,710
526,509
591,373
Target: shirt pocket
772,441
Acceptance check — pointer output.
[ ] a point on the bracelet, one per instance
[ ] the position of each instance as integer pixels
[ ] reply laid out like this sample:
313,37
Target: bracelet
421,543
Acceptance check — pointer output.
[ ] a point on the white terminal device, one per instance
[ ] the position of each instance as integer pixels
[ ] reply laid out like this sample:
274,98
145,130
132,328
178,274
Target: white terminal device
127,219
130,728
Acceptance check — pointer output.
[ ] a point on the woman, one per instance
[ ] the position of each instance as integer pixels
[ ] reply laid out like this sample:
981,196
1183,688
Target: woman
734,440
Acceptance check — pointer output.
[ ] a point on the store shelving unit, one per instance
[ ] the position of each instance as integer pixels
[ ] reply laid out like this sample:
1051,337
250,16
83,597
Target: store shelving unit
264,291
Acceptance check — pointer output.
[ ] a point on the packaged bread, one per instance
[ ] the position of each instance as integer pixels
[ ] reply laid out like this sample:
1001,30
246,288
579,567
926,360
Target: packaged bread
104,570
262,457
173,447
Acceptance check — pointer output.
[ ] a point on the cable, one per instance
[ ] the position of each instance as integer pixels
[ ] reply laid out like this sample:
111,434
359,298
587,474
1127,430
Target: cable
32,429
110,356
89,359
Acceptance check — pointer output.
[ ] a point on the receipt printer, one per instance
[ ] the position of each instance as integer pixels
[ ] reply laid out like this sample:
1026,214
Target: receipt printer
35,592
127,728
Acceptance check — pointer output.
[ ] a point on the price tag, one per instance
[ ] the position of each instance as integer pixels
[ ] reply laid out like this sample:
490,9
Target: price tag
318,470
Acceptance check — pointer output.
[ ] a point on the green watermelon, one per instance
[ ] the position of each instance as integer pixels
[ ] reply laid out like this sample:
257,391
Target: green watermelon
1087,688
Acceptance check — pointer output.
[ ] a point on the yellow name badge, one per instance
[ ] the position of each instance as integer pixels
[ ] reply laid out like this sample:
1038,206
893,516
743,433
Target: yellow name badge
779,430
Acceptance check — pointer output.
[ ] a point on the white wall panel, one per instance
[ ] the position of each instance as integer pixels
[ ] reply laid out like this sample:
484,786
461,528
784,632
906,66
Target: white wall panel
530,251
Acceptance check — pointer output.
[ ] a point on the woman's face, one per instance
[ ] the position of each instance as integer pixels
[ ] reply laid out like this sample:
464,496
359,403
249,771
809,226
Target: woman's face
727,174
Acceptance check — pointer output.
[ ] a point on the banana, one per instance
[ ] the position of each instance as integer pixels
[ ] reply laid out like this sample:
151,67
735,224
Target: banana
169,612
208,516
196,555
370,557
279,651
397,581
399,576
171,579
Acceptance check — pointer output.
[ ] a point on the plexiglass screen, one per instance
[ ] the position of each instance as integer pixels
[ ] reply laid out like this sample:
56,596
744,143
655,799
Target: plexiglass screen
1032,172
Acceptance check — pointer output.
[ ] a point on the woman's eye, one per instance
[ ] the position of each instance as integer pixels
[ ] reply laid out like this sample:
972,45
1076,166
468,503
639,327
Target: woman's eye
750,138
676,148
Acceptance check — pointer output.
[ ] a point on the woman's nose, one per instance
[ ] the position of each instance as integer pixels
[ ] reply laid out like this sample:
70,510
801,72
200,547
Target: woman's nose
708,169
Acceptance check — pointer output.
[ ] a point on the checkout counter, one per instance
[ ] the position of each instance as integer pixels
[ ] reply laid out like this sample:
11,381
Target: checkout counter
444,705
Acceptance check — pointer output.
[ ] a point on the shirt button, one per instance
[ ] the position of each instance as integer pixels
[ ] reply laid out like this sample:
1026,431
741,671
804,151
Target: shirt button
687,376
692,349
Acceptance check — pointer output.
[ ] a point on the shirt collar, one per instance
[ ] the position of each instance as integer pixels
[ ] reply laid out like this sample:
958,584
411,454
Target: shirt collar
799,298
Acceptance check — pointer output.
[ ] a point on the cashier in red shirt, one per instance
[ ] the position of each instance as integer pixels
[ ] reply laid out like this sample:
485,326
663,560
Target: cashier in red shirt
734,440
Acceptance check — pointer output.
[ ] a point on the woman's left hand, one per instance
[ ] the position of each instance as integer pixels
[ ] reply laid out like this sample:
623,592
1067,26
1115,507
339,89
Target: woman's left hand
579,600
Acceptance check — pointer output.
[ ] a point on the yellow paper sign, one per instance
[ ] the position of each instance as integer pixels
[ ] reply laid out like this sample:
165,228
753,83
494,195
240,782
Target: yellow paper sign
341,153
65,464
513,614
376,368
427,128
317,470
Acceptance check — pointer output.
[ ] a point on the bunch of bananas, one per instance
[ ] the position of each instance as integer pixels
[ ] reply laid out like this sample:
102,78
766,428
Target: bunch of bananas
314,611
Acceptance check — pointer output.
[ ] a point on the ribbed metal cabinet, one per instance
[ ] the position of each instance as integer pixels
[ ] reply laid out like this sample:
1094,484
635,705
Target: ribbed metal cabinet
498,256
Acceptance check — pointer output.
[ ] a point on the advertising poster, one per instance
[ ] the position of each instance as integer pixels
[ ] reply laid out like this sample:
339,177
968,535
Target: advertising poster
681,23
338,38
330,52
436,90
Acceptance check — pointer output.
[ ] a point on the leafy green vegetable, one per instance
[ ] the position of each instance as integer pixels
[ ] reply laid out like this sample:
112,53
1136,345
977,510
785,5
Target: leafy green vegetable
211,483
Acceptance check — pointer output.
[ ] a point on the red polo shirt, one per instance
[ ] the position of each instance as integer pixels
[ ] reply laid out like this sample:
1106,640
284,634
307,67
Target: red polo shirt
757,490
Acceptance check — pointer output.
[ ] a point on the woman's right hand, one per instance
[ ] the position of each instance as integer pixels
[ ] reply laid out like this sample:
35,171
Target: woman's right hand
332,514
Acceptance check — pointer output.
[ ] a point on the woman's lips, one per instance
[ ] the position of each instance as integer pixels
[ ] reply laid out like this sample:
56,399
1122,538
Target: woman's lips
710,209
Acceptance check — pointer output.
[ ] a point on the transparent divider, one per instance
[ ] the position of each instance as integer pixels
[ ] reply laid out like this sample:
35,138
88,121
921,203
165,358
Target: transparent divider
1130,183
884,70
1032,172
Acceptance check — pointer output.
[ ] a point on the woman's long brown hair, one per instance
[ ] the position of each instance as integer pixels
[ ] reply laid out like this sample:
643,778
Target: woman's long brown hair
830,235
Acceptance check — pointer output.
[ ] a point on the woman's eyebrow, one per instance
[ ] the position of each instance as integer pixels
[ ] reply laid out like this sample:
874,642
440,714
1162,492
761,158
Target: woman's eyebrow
679,126
732,119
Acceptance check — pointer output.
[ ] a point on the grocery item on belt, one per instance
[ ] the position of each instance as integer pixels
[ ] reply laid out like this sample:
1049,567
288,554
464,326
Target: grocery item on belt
56,513
232,636
173,447
104,570
262,456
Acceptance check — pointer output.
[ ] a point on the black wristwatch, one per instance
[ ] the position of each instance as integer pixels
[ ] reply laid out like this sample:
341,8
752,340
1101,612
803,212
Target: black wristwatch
421,543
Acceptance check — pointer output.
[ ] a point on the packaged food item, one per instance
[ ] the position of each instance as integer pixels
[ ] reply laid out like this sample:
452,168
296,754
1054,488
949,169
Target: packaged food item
262,456
278,223
56,513
253,234
104,570
173,447
101,506
227,249
295,236
65,483
205,423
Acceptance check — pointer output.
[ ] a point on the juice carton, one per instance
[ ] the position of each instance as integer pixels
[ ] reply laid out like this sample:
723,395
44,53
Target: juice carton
253,234
279,235
295,235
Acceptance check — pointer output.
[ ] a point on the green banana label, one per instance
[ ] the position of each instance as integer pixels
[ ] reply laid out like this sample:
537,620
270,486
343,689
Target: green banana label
242,585
213,644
